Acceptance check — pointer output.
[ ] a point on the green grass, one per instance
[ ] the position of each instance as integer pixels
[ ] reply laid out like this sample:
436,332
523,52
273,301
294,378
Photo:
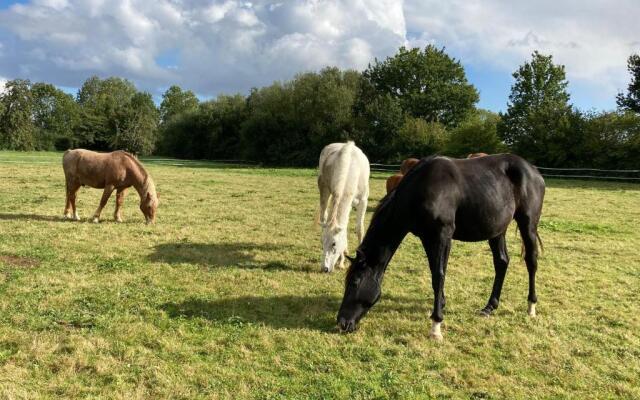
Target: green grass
223,298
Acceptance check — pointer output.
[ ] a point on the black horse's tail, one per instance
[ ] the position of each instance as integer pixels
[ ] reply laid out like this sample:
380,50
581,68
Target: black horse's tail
522,243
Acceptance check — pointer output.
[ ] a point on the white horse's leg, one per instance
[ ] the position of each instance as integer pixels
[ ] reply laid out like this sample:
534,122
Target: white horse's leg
361,210
324,201
103,202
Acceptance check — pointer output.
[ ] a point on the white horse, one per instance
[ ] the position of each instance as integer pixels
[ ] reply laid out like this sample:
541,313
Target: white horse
343,180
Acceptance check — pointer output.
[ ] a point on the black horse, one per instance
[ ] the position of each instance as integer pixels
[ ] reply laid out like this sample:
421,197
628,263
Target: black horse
442,199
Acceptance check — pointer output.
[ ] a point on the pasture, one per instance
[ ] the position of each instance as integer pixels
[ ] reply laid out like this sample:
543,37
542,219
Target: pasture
223,297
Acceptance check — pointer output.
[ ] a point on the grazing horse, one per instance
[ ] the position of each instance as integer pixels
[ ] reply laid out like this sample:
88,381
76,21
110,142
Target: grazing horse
442,199
343,181
394,180
109,171
407,165
475,155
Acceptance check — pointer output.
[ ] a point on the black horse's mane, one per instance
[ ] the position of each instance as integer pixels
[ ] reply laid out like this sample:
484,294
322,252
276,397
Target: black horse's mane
388,201
389,197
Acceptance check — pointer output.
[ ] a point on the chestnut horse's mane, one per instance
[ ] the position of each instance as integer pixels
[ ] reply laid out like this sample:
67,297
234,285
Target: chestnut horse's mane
138,163
147,185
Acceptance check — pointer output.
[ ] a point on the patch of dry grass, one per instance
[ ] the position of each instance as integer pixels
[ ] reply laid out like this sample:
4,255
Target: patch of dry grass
223,298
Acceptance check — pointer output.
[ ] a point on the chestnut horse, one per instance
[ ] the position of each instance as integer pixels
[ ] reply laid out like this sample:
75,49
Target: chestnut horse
117,171
442,199
394,180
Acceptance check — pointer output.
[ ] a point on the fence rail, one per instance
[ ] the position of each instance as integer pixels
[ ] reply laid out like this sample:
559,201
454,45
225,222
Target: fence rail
631,175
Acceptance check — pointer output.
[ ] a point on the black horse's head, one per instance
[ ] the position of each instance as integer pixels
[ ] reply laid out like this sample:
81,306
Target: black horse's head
361,292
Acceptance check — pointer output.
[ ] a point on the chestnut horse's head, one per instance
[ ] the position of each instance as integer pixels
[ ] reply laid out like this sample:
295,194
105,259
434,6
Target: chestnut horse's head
361,292
408,164
149,200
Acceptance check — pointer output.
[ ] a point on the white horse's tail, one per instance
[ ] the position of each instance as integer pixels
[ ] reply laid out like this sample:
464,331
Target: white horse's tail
339,180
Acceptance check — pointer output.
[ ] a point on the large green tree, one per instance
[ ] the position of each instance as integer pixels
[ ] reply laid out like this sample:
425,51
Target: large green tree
289,123
537,124
427,84
114,115
17,130
424,84
55,115
138,126
476,134
631,100
176,101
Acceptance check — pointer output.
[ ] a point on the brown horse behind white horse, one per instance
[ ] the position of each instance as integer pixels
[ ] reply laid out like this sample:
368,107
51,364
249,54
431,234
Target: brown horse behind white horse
117,171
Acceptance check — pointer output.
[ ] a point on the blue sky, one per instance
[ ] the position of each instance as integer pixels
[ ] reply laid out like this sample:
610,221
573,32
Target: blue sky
228,46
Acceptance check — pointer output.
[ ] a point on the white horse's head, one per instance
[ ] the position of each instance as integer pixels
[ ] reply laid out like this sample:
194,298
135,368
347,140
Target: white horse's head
334,244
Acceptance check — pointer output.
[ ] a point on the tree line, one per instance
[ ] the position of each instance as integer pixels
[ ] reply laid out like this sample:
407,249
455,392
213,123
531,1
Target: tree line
415,103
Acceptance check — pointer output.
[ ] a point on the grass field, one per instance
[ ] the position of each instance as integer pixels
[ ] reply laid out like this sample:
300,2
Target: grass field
223,297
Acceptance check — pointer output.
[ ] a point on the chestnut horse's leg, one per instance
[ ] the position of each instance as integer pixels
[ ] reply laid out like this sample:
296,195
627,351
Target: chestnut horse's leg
103,202
120,193
67,205
500,263
437,248
72,192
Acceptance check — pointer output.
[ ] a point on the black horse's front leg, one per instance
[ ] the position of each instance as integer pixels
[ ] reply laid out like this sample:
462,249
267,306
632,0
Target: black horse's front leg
437,248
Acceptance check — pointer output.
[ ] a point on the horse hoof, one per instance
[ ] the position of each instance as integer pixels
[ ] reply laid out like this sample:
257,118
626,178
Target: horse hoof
96,220
485,312
325,269
119,220
435,333
532,310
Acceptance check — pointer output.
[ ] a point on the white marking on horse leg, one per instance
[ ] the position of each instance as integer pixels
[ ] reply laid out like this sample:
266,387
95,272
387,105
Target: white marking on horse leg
96,220
76,216
532,309
435,331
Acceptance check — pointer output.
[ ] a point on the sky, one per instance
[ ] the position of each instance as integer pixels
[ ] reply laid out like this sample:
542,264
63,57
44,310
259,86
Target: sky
229,46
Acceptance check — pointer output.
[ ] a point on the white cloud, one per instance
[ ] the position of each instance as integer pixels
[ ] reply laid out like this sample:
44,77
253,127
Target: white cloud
3,81
232,45
225,45
592,39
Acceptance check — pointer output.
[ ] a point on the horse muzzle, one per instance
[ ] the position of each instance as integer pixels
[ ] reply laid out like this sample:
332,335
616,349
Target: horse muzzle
347,326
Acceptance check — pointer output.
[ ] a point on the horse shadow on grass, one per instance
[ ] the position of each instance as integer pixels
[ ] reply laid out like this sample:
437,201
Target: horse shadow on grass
315,312
30,217
240,255
280,312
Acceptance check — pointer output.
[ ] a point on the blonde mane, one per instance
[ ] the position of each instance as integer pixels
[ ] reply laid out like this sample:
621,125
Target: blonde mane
149,186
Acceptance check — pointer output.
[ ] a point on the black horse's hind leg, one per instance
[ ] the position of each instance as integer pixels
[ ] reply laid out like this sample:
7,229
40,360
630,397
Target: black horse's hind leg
500,263
437,249
529,232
